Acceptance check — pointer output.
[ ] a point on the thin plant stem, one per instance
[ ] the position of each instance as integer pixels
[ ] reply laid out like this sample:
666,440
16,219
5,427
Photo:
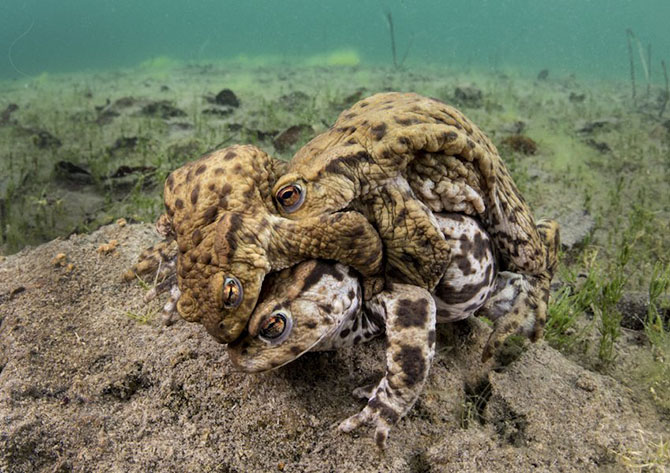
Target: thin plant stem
11,47
666,96
649,71
389,19
629,35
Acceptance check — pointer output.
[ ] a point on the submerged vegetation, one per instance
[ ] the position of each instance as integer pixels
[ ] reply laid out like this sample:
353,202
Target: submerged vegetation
81,151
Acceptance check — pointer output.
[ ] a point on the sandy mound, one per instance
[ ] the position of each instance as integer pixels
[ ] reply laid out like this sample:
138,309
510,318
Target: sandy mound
91,381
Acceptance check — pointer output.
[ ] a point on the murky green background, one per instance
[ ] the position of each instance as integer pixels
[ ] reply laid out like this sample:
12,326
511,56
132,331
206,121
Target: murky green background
585,37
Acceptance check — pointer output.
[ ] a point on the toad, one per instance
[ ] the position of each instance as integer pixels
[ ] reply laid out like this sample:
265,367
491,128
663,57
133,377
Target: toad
399,157
317,305
228,236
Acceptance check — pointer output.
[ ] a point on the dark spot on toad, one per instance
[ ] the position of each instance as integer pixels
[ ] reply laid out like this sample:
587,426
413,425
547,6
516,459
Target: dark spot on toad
378,131
384,410
465,266
296,350
225,190
196,237
412,313
412,363
319,271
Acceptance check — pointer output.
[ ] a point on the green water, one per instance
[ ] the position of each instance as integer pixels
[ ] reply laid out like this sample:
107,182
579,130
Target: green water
584,37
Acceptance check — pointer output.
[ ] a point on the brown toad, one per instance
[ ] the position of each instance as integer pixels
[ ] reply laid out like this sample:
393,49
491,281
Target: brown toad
397,158
228,237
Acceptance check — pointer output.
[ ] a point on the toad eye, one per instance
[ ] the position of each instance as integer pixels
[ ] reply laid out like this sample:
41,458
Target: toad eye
290,197
232,293
276,327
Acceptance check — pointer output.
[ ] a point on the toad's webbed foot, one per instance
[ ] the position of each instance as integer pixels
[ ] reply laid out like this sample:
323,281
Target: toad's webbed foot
518,305
410,329
157,265
364,392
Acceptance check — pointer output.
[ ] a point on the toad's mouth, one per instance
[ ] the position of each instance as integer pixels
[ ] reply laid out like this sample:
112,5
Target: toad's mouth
238,341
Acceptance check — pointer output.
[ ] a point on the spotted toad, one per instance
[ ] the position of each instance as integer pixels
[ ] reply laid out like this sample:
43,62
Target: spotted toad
397,158
317,305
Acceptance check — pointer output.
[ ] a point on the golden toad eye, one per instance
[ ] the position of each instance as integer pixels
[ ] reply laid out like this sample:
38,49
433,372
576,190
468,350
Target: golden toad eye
232,293
276,327
290,197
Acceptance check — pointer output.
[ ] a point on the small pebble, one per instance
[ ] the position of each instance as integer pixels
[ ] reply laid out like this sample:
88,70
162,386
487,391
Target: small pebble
107,248
586,383
59,259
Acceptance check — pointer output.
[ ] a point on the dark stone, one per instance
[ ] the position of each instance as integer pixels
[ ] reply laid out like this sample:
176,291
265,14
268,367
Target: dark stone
520,143
43,140
125,143
600,146
468,96
162,109
576,98
125,102
228,98
294,100
5,116
67,171
106,116
634,307
543,74
290,136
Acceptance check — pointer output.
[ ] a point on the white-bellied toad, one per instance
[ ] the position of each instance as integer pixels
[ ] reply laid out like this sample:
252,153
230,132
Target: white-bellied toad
317,305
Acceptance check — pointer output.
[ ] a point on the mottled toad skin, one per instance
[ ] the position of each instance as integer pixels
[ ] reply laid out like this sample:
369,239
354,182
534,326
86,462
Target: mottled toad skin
397,158
222,218
319,306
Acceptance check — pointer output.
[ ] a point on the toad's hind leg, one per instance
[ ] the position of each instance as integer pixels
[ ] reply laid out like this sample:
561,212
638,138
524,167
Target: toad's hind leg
518,304
410,329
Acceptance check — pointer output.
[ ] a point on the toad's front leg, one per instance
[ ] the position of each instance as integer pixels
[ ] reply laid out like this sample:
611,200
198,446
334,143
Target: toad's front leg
410,332
414,244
